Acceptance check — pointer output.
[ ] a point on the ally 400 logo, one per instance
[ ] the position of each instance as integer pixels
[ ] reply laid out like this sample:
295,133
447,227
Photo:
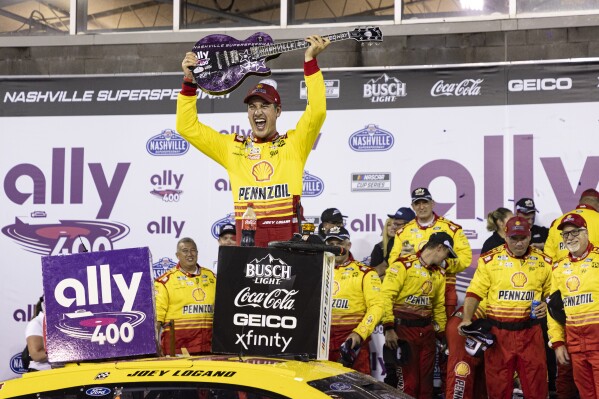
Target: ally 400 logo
98,305
37,190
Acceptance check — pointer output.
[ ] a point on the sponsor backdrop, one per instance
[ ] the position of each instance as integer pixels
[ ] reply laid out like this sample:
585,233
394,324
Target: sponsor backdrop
96,163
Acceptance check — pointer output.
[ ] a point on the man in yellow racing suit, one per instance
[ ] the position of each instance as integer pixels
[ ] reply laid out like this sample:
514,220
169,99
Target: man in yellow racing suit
265,168
357,302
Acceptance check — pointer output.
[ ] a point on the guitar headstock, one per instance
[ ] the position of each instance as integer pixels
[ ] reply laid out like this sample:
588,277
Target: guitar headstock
367,34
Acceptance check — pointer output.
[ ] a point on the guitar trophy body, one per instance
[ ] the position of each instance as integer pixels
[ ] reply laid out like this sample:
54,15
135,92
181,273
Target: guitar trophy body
224,62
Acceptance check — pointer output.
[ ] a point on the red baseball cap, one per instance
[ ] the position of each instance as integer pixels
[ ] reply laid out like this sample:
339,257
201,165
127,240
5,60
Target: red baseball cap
517,226
265,92
590,192
573,219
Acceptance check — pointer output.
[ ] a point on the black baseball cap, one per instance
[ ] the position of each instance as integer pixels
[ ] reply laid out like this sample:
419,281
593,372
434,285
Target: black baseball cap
227,228
526,205
421,193
444,239
404,214
340,233
332,215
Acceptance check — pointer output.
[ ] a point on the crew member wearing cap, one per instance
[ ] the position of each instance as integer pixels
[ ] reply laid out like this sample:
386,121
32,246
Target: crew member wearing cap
414,235
414,292
357,302
330,217
509,278
227,235
526,208
265,168
379,258
588,208
576,276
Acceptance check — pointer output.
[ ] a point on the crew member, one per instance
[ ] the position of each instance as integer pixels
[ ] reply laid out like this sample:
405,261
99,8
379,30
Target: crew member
577,278
357,302
509,278
413,291
185,303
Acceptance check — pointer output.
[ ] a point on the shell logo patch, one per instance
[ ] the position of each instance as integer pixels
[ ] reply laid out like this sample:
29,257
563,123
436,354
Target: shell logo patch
462,369
573,283
519,279
198,294
427,287
335,287
262,171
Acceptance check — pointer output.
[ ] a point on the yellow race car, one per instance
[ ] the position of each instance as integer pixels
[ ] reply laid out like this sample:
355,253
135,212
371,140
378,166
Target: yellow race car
207,377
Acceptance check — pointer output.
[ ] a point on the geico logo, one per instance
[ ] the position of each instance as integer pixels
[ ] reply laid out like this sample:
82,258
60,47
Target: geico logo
540,84
263,320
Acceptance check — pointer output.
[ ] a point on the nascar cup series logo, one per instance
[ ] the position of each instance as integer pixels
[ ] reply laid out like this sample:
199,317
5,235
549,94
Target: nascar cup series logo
371,138
215,229
167,143
384,89
312,186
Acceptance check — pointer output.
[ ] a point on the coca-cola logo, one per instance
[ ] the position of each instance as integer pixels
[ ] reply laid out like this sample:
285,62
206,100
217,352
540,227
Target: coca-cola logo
279,298
467,87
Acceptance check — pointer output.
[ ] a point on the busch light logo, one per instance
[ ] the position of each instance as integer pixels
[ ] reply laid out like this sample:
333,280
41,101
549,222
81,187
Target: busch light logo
16,364
167,143
215,229
371,138
313,186
384,89
161,267
63,237
467,87
97,391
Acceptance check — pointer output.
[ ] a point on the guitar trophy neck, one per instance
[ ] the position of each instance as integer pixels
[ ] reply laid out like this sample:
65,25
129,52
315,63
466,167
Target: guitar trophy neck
279,48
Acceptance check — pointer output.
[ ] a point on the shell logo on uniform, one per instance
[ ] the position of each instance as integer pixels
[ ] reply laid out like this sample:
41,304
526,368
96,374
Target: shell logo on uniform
262,171
462,369
336,287
519,279
427,287
198,294
573,283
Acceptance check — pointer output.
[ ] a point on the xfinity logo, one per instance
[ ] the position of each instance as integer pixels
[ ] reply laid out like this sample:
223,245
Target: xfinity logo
467,87
547,84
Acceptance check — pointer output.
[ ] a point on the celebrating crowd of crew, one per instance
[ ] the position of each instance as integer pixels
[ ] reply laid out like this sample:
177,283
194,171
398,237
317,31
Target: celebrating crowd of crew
499,334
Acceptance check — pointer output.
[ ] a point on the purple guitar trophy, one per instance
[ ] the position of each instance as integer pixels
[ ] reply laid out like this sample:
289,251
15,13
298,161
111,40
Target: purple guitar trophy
224,62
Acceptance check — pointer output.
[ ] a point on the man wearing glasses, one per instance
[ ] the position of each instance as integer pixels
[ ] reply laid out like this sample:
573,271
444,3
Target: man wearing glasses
185,303
576,276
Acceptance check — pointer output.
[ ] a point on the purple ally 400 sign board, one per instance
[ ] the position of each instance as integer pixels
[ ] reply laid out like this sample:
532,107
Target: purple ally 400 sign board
99,305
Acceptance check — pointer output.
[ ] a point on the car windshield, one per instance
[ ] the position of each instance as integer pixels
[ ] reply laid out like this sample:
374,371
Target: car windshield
356,386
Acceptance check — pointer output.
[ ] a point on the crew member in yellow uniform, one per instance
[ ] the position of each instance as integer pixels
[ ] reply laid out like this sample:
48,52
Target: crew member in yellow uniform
265,168
413,291
357,302
577,278
185,295
411,237
588,208
509,278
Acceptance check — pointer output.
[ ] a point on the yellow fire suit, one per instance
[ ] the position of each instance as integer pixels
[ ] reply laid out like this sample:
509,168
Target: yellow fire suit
418,235
510,284
413,293
578,281
357,306
188,299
